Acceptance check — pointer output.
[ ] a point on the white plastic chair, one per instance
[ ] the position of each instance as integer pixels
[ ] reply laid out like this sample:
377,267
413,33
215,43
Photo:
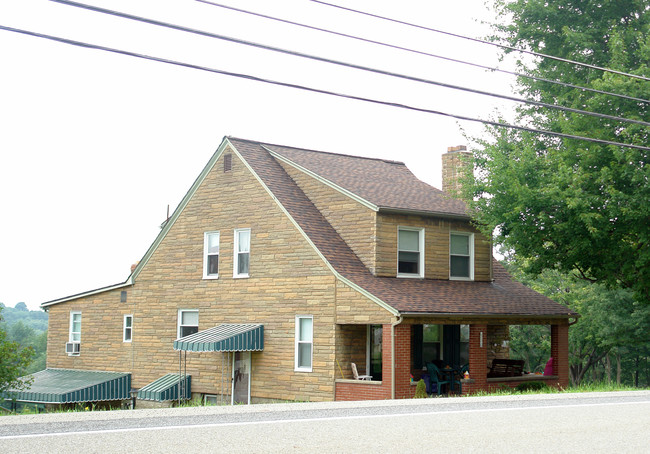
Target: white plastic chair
356,375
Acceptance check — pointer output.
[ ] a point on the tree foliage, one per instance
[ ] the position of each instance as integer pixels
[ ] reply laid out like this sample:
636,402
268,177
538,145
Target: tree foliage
567,204
612,323
13,362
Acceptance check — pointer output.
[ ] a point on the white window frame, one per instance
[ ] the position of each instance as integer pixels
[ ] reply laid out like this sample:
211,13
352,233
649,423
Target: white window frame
128,329
180,319
236,253
206,254
471,256
298,342
420,273
71,333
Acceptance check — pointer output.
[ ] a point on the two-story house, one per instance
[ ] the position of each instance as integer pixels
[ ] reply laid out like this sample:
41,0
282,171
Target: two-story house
281,267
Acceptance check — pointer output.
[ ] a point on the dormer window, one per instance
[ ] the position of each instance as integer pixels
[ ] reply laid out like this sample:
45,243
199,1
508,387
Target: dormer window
461,256
410,252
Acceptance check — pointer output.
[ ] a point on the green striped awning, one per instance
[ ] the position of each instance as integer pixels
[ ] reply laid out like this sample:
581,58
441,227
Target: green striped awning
166,388
61,386
228,337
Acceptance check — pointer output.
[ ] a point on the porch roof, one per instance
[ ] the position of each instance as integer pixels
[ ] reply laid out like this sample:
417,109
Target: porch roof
166,388
227,337
60,386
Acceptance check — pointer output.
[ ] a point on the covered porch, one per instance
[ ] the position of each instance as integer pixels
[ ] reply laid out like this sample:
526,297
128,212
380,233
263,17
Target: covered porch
453,344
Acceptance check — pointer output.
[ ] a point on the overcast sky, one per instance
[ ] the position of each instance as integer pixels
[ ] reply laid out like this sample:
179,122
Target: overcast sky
94,146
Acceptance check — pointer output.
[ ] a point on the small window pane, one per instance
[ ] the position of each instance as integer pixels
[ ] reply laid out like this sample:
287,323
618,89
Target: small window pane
187,330
242,263
127,322
306,333
459,266
431,333
304,355
409,240
244,241
408,262
190,318
213,243
459,245
213,264
76,337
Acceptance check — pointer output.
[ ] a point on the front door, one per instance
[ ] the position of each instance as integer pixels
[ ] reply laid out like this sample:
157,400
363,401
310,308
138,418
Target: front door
241,378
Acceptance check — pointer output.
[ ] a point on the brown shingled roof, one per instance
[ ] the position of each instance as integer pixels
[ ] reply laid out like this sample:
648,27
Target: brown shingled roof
375,180
503,296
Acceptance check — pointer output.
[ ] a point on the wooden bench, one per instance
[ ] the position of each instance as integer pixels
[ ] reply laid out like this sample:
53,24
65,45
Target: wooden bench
506,368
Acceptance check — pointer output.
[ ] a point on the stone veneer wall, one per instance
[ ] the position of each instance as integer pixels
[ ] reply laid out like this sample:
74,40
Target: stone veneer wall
436,238
287,278
353,221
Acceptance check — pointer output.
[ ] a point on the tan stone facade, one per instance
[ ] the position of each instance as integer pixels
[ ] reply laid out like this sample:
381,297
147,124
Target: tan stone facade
287,278
436,252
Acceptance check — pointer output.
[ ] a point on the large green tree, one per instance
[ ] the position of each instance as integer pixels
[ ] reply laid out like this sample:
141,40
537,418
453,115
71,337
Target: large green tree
563,203
13,362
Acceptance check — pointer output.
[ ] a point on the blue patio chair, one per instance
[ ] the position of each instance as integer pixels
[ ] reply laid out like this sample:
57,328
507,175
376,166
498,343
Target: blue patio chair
436,377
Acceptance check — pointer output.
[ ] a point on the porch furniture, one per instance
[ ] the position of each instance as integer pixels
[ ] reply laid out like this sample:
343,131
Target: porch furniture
436,376
506,368
356,375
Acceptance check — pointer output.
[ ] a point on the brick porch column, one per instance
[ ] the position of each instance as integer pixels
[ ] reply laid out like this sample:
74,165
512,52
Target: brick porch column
477,358
560,353
403,388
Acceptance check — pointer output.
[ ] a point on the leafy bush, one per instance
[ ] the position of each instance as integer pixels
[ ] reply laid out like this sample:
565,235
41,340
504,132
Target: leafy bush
420,390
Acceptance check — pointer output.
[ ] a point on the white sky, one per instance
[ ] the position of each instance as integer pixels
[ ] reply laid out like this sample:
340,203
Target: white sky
94,146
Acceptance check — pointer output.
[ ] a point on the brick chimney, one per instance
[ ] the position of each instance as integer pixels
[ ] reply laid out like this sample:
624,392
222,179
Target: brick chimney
455,164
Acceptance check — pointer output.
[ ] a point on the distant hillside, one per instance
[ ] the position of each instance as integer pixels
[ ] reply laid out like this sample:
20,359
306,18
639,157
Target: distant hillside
29,329
37,320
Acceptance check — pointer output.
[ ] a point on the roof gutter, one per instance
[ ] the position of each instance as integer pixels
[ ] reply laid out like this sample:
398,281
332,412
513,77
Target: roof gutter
489,316
459,217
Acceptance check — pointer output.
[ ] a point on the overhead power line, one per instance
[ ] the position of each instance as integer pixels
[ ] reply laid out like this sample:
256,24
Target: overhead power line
428,54
316,90
341,63
503,46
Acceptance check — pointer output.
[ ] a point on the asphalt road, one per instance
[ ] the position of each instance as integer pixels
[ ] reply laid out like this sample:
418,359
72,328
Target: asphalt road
591,422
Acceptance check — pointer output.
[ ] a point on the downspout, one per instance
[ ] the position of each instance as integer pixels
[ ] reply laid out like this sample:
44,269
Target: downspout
392,355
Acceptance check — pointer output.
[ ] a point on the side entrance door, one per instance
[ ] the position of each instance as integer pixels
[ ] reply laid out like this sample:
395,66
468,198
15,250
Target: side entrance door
241,378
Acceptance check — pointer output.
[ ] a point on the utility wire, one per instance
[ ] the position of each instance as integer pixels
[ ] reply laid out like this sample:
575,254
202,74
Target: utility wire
503,46
428,54
344,64
316,90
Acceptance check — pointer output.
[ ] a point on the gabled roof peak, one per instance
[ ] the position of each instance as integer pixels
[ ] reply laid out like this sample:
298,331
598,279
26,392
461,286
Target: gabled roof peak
311,150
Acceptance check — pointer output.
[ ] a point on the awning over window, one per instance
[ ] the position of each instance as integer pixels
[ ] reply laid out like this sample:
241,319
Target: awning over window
167,388
60,386
229,337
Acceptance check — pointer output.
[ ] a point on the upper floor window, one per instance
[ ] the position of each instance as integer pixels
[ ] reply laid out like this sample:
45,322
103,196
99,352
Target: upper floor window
461,255
128,328
211,255
188,322
304,342
410,252
242,252
75,327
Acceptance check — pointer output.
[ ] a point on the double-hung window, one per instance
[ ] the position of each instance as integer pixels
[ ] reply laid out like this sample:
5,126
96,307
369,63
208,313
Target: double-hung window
75,327
242,252
410,252
304,342
73,347
461,256
188,322
211,255
128,328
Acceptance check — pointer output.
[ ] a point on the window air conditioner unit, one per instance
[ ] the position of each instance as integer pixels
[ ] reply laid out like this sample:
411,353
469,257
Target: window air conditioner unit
72,348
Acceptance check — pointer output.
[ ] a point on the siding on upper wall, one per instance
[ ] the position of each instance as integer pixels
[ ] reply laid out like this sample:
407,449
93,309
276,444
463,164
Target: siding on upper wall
354,222
436,253
287,278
